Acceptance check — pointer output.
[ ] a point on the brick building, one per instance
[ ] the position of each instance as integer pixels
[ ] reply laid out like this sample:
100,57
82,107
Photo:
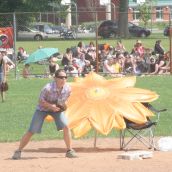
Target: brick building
161,10
87,8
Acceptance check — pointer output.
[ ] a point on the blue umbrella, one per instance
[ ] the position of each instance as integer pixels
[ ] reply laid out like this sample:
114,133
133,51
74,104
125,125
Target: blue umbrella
41,54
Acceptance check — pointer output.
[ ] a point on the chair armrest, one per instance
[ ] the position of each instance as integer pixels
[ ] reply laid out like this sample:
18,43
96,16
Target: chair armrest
158,113
156,110
162,110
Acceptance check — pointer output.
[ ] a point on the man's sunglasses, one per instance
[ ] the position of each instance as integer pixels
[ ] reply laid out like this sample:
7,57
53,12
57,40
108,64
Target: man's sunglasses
61,77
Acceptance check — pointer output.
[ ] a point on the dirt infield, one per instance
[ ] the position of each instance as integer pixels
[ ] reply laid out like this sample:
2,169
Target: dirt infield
50,156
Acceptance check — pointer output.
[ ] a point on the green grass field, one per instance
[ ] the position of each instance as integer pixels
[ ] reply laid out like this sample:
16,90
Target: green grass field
22,97
149,42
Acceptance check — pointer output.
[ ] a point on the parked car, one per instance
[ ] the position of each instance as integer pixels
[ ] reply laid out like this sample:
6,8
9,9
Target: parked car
167,31
42,27
24,32
109,28
138,30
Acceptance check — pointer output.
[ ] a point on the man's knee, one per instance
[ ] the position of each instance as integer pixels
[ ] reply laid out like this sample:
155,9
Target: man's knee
66,129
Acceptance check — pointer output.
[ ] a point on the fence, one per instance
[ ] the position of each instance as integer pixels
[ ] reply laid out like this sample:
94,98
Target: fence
80,20
83,25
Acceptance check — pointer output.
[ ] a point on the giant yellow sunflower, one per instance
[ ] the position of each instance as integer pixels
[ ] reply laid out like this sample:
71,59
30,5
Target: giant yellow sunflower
103,104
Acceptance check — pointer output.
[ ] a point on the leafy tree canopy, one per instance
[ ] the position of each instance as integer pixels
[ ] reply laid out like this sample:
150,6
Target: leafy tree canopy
27,5
145,12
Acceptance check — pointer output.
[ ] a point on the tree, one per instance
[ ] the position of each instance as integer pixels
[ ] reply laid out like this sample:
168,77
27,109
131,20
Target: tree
145,12
26,5
11,5
123,18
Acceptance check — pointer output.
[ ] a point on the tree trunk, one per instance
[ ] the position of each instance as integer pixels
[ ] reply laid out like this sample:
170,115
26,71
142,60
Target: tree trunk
123,19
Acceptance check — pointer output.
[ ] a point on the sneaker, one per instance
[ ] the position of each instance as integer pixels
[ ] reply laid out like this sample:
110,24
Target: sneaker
71,154
17,154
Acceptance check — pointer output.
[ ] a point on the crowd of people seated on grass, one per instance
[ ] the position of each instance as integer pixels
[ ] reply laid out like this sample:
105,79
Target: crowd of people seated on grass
113,60
116,60
80,60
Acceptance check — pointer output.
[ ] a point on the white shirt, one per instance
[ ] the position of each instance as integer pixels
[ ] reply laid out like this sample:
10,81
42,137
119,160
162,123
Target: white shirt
8,60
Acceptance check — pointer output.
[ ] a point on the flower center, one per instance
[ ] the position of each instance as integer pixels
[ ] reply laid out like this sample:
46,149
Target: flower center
97,93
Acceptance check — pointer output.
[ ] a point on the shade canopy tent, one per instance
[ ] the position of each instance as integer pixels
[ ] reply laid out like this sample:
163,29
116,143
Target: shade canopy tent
41,54
103,104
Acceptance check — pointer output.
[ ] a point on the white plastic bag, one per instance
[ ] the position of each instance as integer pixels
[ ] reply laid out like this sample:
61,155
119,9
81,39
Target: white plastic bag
165,144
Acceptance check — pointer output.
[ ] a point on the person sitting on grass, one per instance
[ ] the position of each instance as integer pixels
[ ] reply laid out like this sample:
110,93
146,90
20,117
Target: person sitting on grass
160,62
21,55
119,48
52,102
165,69
158,49
67,57
53,66
26,71
108,68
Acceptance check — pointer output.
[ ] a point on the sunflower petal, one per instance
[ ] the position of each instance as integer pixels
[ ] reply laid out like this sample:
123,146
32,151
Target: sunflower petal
122,82
82,128
135,94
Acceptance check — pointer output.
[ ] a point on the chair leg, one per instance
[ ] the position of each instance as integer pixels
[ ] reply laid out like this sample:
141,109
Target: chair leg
123,144
95,139
139,135
121,139
152,139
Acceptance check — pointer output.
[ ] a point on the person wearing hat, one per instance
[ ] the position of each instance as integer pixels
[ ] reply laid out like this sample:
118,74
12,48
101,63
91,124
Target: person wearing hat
139,49
2,75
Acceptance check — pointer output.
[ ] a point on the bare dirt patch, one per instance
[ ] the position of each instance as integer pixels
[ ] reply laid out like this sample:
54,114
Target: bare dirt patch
50,156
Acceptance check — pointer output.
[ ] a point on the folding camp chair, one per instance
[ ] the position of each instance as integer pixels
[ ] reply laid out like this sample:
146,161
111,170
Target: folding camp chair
143,133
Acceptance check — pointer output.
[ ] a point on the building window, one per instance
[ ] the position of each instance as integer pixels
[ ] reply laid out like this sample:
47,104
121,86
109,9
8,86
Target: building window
136,14
159,13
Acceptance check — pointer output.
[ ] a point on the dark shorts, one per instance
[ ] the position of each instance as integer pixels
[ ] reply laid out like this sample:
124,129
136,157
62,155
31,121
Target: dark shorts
1,77
38,120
